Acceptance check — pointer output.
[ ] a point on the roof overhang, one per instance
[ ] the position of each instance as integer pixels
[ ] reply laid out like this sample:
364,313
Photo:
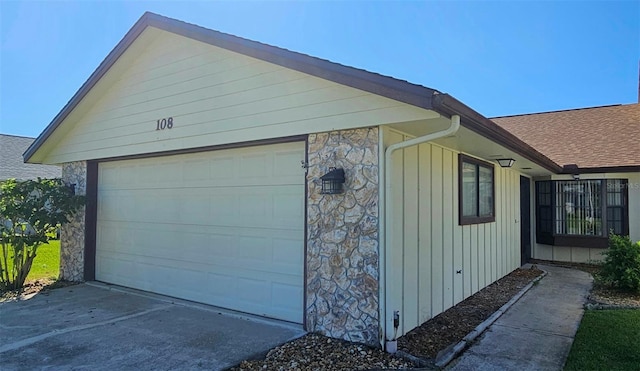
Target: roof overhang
604,169
400,90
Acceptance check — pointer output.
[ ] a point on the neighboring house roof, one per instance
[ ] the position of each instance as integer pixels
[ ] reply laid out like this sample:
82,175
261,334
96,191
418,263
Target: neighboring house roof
12,165
400,90
596,138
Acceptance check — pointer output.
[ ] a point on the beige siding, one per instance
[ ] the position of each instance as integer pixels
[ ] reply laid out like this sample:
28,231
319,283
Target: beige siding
214,97
590,255
429,247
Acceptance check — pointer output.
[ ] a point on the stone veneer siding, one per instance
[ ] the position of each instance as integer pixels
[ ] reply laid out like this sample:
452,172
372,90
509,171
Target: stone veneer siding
342,237
72,234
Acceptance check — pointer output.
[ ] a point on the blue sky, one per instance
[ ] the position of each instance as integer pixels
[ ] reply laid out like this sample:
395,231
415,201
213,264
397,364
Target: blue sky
500,58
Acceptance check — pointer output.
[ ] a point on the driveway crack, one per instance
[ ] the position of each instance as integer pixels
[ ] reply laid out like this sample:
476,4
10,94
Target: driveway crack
35,339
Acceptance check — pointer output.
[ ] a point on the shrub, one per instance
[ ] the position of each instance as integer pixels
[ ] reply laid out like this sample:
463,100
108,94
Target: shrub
30,212
621,266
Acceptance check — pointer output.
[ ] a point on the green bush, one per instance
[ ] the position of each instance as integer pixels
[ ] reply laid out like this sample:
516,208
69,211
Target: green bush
30,212
621,266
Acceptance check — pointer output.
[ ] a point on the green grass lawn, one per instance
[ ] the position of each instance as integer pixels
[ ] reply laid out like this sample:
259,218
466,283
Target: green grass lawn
607,340
47,262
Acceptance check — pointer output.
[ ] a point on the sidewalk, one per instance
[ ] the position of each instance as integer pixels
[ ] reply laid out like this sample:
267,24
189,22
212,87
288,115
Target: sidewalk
536,333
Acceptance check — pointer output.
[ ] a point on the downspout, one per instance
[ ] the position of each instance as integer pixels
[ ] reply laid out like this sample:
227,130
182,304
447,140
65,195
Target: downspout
386,211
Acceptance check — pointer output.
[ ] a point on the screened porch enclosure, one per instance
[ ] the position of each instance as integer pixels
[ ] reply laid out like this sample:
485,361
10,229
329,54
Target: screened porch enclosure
593,207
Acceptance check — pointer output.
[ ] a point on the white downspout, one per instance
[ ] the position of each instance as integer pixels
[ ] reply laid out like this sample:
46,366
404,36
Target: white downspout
386,211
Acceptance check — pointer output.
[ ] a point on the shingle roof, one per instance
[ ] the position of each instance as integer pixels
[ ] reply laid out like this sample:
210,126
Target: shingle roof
12,164
597,137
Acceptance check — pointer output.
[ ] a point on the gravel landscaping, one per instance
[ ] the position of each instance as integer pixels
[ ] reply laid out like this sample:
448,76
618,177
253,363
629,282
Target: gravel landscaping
316,352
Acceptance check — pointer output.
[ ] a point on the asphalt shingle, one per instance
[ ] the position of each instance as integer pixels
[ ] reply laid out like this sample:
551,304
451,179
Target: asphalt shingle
595,137
12,164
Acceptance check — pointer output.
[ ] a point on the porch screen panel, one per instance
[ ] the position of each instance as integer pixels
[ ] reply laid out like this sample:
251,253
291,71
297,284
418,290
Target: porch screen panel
617,206
578,207
544,214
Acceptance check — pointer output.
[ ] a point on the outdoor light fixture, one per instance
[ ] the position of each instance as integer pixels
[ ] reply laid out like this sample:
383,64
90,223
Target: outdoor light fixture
332,181
506,162
72,188
573,170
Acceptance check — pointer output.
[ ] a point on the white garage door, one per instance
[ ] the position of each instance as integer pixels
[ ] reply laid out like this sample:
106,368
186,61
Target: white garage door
223,227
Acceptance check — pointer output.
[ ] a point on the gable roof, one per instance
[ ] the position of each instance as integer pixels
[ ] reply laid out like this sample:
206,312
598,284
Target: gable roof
12,164
596,138
389,87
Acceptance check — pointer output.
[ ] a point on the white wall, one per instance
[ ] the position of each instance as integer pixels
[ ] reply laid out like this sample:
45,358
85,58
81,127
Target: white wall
429,246
590,255
214,96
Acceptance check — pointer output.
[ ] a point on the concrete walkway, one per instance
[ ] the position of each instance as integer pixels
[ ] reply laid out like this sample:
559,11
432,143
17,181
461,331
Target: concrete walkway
536,333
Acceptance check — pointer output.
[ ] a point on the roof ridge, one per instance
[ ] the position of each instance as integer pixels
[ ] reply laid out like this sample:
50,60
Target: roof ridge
562,110
17,136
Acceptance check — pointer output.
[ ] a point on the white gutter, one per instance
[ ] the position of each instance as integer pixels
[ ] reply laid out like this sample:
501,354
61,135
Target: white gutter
386,211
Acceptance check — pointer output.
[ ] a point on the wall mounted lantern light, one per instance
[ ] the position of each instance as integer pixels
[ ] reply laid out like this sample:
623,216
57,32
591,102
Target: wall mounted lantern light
506,162
332,181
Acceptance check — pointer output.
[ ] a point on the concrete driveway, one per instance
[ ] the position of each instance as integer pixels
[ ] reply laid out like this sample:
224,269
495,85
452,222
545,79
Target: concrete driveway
96,328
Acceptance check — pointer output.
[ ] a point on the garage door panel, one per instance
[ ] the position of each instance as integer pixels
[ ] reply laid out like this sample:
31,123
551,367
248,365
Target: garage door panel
248,291
251,247
194,207
286,252
255,165
286,211
196,169
224,228
119,270
288,295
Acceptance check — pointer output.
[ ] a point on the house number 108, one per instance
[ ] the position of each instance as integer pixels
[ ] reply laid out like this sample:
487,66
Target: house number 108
166,123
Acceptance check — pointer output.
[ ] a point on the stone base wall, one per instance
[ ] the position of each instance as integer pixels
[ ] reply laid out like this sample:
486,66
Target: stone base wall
72,233
342,237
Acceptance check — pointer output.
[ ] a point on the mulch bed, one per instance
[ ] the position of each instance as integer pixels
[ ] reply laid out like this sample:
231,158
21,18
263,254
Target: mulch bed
608,298
317,352
450,326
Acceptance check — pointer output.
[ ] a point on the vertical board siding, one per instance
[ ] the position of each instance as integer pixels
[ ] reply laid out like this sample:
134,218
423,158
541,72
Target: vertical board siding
506,230
424,233
498,242
447,228
436,242
411,226
429,247
458,250
466,260
482,256
473,251
488,276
